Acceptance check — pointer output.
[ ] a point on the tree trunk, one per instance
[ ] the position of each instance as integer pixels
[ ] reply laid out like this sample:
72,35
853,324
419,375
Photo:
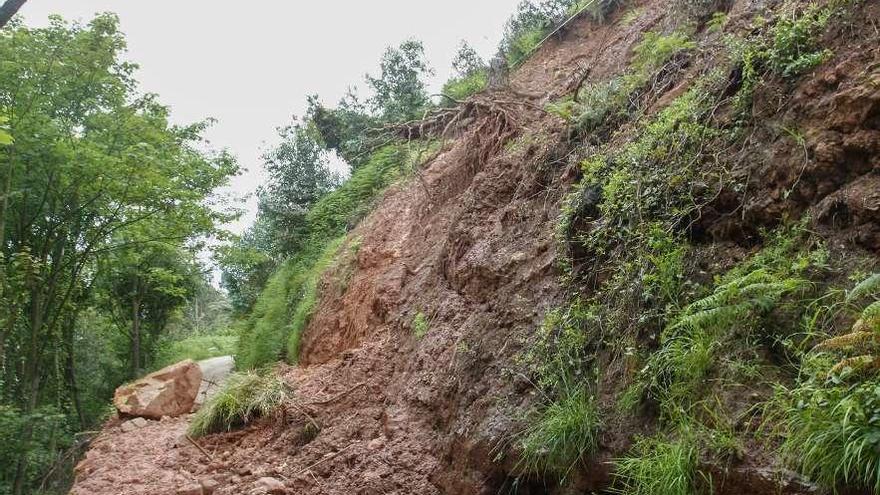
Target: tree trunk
9,9
70,371
136,336
31,380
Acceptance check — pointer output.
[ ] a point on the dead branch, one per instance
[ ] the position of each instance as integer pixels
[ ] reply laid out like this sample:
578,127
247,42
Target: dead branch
209,456
327,457
338,396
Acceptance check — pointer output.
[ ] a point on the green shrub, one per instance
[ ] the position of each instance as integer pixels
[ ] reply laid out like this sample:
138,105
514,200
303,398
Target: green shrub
665,157
794,47
244,397
561,435
420,325
657,465
522,45
462,87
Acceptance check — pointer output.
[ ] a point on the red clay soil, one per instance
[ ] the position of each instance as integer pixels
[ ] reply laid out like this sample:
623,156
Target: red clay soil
377,410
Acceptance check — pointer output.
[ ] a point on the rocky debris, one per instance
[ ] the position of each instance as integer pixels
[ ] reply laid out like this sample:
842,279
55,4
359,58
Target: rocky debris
209,485
170,391
133,424
271,485
191,489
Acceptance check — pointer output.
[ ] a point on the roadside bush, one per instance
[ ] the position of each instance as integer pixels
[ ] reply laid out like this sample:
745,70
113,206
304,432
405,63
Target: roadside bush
244,398
460,88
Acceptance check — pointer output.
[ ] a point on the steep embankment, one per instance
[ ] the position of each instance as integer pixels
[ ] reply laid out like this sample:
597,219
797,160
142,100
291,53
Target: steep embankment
414,373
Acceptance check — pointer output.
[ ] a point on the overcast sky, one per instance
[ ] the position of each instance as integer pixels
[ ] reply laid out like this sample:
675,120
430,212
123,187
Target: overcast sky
250,64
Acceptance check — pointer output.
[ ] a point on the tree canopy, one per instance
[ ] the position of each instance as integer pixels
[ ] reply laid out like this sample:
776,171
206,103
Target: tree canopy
101,194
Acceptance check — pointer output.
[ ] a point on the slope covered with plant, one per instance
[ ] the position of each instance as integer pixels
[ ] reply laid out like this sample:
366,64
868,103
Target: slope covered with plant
642,259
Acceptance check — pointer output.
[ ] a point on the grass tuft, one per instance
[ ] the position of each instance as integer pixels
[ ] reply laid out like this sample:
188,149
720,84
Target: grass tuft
657,466
245,397
563,434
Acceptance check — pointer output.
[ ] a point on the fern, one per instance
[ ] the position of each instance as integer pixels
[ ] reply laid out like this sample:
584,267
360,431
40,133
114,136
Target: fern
868,287
691,340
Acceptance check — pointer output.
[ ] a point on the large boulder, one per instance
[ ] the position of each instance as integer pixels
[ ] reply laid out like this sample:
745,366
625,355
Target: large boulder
170,391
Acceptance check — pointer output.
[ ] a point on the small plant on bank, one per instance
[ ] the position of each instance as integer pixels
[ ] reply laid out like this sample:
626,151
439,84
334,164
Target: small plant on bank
794,47
561,435
830,420
420,325
658,465
245,397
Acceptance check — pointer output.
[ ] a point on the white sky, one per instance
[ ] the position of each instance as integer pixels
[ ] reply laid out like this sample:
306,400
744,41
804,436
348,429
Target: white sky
250,64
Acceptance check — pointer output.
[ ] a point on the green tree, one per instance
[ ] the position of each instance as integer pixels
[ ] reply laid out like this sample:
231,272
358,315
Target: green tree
399,90
246,264
299,175
467,61
92,163
142,288
347,129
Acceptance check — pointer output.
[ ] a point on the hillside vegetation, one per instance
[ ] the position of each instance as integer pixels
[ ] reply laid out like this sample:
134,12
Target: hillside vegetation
634,253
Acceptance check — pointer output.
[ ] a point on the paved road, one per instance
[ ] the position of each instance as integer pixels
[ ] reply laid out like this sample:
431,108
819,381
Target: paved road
214,373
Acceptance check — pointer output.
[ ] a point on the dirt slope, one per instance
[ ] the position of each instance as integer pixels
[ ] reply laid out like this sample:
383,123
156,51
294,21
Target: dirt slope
469,244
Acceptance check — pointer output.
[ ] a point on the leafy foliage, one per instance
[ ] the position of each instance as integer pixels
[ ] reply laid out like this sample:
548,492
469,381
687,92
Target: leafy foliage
830,420
689,344
103,197
399,90
794,49
244,398
420,325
